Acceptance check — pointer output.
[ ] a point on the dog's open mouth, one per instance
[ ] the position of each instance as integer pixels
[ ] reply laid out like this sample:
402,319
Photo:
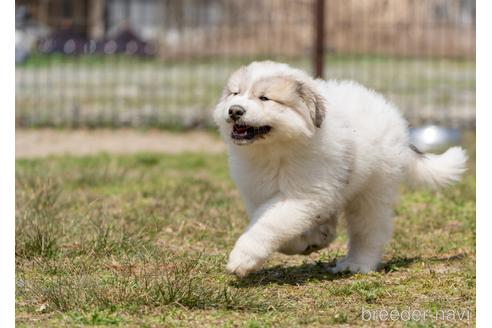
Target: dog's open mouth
242,132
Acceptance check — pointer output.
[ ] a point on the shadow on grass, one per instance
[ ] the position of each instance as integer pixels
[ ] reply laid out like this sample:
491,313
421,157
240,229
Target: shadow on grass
401,262
293,275
308,272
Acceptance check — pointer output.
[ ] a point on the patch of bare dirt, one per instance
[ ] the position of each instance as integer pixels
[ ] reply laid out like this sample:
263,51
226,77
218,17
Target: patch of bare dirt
30,143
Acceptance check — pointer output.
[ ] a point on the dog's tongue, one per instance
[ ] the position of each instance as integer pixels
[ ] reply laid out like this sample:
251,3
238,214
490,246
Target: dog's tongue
240,128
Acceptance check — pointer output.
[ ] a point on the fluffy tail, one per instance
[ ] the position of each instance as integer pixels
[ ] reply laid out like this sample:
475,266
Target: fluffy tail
436,170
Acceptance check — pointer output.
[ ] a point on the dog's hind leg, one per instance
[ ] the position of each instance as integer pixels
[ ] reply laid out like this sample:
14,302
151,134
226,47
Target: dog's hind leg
312,240
369,222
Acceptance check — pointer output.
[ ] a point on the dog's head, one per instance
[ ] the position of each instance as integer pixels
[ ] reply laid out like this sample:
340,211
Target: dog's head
268,102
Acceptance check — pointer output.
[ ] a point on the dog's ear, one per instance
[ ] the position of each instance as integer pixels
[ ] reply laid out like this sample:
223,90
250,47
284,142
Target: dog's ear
313,101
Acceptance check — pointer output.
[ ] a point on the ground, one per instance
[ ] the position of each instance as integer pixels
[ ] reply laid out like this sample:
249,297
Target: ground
142,240
31,143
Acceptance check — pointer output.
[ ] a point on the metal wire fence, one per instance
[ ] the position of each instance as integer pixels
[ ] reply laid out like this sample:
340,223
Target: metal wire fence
164,62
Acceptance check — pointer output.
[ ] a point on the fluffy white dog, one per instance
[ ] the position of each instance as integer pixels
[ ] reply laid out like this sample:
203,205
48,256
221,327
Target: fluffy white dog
304,151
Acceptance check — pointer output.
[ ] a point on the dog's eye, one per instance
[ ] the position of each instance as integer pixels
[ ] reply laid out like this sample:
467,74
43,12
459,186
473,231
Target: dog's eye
263,98
234,93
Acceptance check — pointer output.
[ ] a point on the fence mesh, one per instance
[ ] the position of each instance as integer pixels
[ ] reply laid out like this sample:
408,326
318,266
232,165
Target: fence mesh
164,62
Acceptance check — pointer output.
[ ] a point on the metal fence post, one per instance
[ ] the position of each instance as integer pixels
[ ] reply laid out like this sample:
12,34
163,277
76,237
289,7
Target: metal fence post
319,36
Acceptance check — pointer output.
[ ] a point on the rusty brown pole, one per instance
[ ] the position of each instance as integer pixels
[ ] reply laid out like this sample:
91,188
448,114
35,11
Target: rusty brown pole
96,19
319,37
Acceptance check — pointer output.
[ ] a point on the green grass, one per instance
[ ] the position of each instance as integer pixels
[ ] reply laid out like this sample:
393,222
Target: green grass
142,240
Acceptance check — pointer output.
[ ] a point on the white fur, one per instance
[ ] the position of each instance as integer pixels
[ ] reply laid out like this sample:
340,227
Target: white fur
438,170
299,178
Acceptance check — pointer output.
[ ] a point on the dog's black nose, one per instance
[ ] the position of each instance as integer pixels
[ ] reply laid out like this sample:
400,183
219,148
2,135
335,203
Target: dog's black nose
235,112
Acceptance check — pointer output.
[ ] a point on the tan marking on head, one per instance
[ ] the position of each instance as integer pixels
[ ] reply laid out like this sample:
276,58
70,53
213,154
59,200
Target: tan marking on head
280,89
295,94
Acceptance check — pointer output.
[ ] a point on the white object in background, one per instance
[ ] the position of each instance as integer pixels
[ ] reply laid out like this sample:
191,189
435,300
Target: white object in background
434,138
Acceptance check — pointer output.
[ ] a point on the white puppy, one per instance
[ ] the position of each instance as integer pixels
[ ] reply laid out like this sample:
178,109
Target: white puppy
304,151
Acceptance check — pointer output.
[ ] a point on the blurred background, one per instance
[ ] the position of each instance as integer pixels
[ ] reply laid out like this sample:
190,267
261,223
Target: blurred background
163,63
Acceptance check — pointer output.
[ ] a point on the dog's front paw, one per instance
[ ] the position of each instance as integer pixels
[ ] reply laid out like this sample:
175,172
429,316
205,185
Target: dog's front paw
349,265
245,258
